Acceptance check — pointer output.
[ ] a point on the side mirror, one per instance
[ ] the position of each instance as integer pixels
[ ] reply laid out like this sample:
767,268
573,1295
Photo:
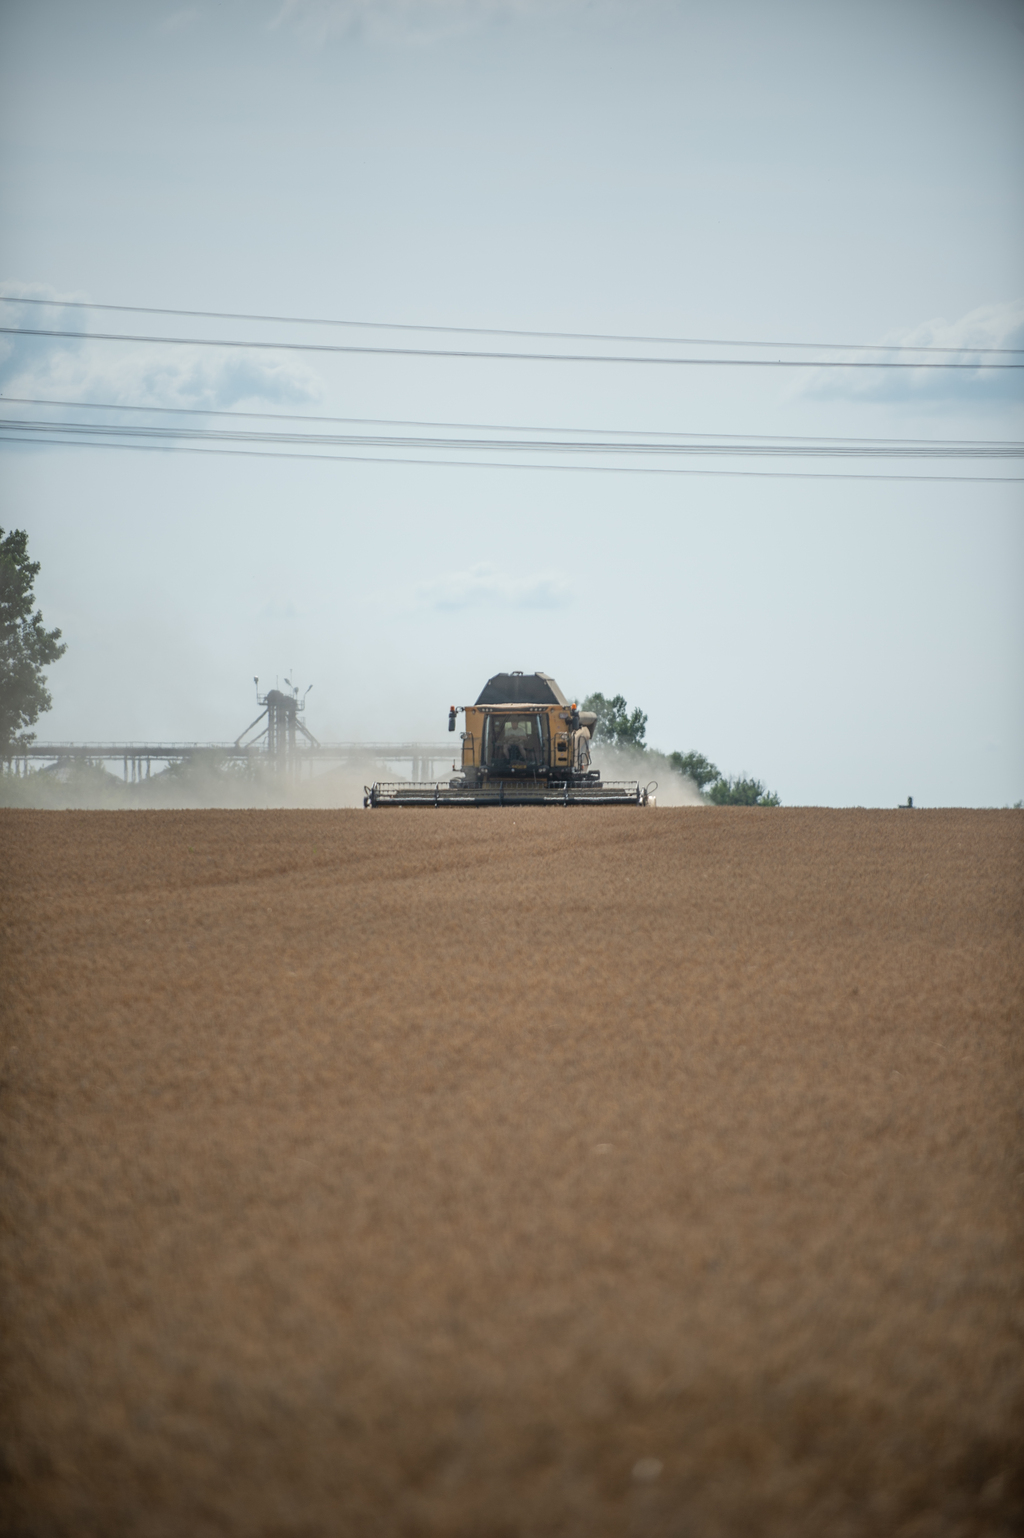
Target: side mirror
451,719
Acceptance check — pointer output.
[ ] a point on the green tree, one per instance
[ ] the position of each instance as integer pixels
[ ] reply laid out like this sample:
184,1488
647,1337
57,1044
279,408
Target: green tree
26,647
620,727
741,792
695,767
616,723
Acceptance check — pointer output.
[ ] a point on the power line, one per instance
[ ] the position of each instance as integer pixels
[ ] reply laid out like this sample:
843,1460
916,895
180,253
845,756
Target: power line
474,464
578,336
602,446
454,352
505,427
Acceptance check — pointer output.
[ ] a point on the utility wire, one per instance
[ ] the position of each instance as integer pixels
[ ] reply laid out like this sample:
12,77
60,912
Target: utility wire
500,427
483,464
578,336
453,352
601,446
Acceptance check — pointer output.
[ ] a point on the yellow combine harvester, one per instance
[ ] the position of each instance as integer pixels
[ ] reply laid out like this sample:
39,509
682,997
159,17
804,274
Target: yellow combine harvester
525,744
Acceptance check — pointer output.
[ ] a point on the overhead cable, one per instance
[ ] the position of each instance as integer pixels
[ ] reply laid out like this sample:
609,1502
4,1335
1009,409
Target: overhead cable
505,427
522,357
600,446
578,336
485,464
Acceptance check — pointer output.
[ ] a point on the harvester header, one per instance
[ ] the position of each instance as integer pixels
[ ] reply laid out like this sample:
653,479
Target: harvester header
524,744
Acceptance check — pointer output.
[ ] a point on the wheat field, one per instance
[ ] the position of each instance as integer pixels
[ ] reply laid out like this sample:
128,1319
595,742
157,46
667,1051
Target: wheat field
505,1173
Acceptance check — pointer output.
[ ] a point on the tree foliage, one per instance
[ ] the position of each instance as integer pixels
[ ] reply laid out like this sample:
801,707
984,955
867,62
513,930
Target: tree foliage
620,727
616,723
26,646
740,791
695,767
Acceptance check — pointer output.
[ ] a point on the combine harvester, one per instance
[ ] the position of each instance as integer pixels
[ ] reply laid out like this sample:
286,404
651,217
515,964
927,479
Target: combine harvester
525,744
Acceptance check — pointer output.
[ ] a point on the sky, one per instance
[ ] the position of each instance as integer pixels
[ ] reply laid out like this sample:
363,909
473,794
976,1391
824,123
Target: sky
792,172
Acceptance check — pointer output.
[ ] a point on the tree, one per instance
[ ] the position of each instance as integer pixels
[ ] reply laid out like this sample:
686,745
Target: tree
616,723
620,727
695,767
741,792
25,646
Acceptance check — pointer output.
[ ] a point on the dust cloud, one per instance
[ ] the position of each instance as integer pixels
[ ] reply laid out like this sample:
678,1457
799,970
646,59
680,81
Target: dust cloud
647,766
208,781
214,781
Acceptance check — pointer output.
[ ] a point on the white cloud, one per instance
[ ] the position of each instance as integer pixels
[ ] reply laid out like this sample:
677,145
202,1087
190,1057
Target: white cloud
60,368
412,21
991,325
483,586
179,21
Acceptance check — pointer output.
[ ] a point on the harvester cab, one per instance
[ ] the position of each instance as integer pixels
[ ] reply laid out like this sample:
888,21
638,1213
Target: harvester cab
524,744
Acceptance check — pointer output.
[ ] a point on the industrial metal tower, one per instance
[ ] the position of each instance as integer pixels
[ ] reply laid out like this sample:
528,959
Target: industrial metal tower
279,737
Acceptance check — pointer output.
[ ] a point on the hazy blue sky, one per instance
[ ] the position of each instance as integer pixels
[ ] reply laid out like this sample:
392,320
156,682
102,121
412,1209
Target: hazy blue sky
837,172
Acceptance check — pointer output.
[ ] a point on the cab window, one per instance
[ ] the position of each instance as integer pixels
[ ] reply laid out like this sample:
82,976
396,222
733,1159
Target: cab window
515,741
